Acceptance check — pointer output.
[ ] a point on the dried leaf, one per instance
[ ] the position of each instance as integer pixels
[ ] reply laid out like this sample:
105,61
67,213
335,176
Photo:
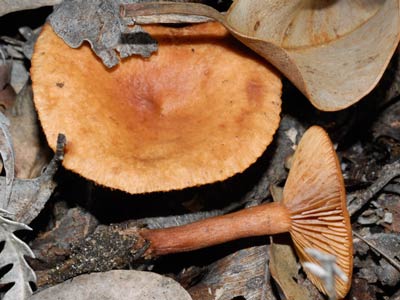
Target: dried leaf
30,195
98,22
13,253
121,284
7,93
284,270
334,53
19,75
32,153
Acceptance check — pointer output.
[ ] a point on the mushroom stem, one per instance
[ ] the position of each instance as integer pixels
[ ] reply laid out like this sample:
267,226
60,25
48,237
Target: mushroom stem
162,8
269,218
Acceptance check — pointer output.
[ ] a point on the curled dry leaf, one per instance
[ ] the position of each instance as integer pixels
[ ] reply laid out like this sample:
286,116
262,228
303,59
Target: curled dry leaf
115,285
29,196
333,51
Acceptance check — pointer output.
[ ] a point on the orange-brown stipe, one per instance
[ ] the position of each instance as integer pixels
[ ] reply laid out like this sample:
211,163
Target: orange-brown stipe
200,110
254,221
313,211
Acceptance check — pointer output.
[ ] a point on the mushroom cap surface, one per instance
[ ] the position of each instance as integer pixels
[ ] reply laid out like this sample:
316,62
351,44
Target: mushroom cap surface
315,195
200,110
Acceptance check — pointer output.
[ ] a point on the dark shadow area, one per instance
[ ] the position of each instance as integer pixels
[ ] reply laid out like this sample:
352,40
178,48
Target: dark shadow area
10,23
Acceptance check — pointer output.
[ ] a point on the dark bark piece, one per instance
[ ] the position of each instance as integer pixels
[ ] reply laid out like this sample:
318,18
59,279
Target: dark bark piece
108,248
55,245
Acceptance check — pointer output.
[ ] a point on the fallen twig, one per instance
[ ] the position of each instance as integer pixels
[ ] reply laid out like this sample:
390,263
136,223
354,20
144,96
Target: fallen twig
357,200
392,261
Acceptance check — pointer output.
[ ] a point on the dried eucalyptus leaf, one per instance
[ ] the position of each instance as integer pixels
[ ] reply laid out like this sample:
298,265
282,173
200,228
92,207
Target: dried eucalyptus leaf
19,75
284,270
334,53
30,195
115,285
14,253
31,151
98,22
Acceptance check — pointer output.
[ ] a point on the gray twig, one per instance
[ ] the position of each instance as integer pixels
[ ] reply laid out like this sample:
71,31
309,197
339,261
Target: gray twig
359,199
393,262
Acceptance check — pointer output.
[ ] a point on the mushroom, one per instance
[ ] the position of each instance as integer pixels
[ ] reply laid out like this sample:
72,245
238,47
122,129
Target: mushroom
200,110
313,211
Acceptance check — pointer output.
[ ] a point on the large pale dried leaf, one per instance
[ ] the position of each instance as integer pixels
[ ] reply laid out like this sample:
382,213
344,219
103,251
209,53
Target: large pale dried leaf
116,285
333,51
13,253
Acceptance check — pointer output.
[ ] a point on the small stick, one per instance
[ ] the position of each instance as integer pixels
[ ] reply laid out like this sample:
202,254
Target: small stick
357,200
393,262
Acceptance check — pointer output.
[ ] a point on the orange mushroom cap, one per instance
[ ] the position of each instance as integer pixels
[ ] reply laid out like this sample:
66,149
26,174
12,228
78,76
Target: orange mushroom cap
314,194
199,110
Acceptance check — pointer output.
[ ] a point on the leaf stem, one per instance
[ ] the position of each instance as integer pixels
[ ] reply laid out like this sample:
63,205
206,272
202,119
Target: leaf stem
163,8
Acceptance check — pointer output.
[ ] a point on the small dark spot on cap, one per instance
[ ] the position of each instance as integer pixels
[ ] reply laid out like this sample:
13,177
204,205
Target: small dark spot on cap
256,25
60,84
193,50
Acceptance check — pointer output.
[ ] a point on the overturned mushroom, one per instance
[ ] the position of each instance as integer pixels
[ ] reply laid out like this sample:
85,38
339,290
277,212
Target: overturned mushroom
313,210
199,110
